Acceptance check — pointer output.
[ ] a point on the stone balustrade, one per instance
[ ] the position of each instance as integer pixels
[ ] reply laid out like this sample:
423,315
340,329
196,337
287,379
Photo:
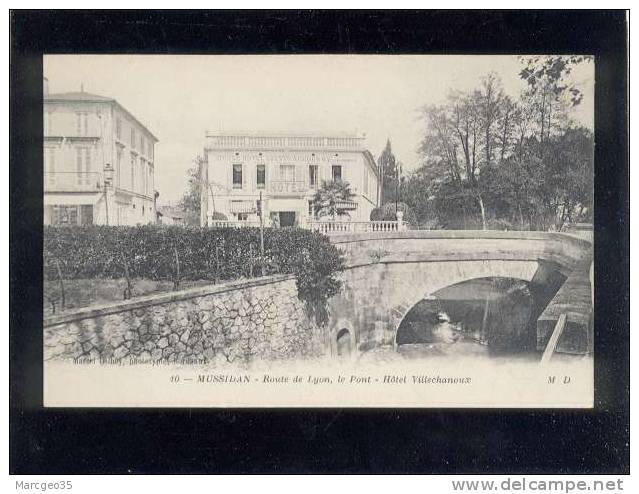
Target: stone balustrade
329,227
326,227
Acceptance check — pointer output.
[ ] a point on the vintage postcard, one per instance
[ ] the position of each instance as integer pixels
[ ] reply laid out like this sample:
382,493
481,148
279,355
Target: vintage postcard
318,231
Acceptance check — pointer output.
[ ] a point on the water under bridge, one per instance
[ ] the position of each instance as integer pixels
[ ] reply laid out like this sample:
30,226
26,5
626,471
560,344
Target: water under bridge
388,274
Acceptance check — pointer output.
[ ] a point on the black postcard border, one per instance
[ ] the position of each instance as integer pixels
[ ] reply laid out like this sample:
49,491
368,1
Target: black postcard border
178,441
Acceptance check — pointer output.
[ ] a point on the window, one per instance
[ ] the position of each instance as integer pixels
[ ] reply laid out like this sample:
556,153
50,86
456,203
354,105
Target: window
118,168
49,165
311,210
132,138
242,216
65,215
83,165
237,176
86,214
312,176
287,173
261,176
337,172
82,123
46,123
72,215
142,146
142,176
118,128
132,183
123,215
49,160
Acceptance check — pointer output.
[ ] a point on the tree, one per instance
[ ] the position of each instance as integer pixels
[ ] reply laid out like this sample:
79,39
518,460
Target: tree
550,92
543,71
191,199
328,197
387,166
506,163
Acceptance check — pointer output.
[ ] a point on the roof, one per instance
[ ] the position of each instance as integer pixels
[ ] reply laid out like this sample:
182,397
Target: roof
93,98
76,96
257,133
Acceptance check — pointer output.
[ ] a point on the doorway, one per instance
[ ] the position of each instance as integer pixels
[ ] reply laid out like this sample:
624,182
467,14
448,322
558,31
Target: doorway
287,218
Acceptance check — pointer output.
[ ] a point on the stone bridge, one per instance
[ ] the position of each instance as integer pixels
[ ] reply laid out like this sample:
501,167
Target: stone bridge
389,273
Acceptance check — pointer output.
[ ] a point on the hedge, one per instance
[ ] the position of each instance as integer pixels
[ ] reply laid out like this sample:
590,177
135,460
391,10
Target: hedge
102,252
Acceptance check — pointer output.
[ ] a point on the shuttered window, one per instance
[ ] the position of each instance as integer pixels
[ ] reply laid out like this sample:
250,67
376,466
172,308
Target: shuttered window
237,176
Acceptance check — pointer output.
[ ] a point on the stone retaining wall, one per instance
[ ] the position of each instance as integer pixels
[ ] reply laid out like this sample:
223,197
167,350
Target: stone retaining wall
234,322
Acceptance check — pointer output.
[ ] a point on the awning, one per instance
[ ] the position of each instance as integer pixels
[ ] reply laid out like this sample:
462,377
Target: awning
242,207
346,205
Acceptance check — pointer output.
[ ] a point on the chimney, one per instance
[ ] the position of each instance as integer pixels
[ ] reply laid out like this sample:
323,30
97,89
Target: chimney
45,86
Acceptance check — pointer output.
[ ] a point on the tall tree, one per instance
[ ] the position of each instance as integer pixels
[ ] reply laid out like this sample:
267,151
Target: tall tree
387,166
511,163
329,198
191,199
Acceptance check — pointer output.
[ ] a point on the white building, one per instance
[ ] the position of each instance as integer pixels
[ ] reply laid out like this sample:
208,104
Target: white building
84,135
287,170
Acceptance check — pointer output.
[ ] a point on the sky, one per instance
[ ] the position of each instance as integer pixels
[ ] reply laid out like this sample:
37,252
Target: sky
180,97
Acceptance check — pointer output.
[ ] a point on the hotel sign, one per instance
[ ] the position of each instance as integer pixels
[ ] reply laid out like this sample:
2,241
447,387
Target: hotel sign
285,187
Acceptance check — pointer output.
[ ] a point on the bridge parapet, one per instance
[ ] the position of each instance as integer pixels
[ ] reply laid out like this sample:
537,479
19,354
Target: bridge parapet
451,245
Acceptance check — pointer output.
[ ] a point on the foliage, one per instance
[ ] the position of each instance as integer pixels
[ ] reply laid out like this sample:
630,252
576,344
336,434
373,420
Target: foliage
190,202
102,252
490,161
387,165
550,71
388,213
329,195
217,216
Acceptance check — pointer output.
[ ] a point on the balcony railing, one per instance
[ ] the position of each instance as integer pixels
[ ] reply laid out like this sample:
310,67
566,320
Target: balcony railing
329,227
233,224
73,182
240,141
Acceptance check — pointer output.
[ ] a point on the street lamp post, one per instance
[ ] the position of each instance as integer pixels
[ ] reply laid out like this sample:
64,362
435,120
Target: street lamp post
108,181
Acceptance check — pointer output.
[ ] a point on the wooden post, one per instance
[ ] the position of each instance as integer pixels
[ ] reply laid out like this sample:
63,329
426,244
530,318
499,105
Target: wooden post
176,281
554,338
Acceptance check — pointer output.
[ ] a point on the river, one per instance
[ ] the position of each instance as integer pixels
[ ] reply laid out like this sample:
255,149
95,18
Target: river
486,318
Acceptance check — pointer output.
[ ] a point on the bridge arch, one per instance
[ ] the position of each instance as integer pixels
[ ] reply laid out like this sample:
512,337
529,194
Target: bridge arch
388,274
464,271
343,339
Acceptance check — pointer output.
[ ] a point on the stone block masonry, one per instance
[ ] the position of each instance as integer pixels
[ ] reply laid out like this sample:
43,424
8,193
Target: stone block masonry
235,322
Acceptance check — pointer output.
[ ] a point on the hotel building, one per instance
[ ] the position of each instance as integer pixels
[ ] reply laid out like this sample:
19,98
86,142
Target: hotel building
286,170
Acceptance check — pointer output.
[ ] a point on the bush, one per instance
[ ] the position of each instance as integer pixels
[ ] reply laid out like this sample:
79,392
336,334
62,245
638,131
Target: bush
102,252
387,213
217,216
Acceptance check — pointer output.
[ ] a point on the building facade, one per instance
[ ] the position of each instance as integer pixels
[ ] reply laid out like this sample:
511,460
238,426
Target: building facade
98,162
286,170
